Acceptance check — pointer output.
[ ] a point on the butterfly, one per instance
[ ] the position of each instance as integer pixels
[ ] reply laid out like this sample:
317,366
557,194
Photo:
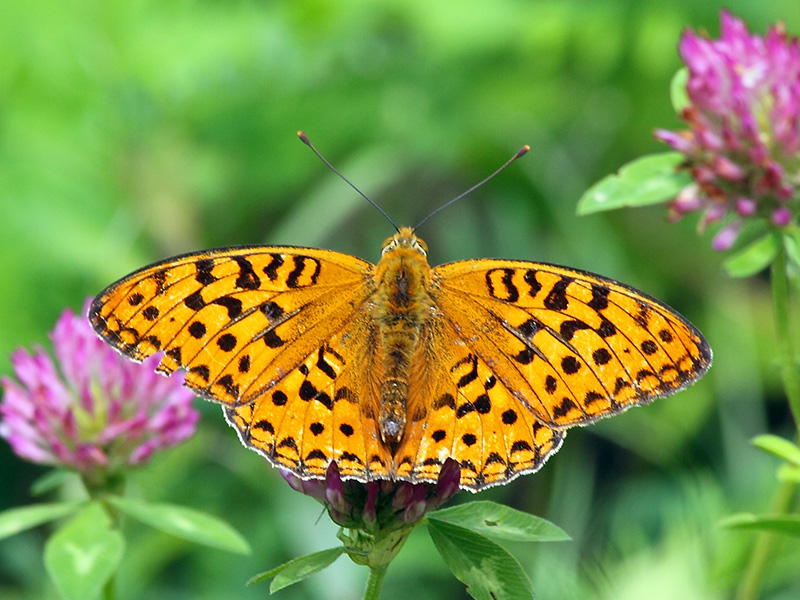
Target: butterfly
389,369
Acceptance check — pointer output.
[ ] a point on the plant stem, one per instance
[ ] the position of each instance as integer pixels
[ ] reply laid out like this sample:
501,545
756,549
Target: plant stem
786,355
750,584
108,590
375,582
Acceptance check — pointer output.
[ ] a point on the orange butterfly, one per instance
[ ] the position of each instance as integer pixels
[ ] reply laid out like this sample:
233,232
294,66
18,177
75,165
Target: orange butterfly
390,369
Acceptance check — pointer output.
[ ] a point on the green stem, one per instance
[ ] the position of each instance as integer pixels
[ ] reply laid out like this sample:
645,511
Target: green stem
99,485
375,582
108,590
786,355
750,584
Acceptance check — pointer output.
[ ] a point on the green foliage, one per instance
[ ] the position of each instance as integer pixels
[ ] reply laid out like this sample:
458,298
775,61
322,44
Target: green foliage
500,521
677,90
648,180
297,569
83,555
14,520
779,447
183,522
753,258
785,524
459,534
488,570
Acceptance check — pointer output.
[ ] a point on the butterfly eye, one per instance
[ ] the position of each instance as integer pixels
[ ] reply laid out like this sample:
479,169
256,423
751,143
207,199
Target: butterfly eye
390,245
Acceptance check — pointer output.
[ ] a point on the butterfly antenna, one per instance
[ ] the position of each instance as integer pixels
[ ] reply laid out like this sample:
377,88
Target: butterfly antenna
307,142
519,153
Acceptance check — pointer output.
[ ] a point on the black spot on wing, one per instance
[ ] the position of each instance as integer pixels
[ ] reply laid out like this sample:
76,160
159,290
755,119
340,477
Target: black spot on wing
272,339
197,329
472,375
599,299
534,287
233,305
247,279
201,371
204,275
271,270
316,454
563,409
324,366
194,301
569,327
300,263
557,298
226,342
272,311
444,400
501,288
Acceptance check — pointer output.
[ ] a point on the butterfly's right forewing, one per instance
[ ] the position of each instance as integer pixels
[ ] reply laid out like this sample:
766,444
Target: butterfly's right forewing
573,346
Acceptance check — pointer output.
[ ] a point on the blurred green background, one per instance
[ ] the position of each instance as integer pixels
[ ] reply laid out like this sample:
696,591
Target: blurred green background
133,130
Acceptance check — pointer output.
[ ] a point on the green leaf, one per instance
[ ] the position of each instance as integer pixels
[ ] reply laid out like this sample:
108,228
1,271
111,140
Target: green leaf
185,523
83,555
789,473
488,570
786,524
753,258
792,245
677,90
19,519
647,180
499,521
51,480
777,446
297,569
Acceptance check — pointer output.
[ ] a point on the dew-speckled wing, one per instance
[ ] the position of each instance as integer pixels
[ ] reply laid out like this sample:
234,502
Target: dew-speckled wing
274,334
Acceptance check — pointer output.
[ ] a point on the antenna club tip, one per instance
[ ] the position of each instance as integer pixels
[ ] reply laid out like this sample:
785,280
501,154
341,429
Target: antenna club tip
303,138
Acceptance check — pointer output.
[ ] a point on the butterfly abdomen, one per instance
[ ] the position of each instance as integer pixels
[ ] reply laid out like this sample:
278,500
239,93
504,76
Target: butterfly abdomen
401,308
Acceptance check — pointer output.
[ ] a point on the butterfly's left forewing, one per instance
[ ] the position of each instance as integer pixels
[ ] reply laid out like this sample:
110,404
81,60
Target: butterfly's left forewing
240,316
572,346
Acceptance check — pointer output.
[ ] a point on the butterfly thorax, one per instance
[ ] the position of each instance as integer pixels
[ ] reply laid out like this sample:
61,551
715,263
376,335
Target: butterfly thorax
401,309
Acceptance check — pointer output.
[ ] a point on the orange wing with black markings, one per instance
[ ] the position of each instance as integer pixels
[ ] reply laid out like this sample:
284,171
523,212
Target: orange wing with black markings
391,369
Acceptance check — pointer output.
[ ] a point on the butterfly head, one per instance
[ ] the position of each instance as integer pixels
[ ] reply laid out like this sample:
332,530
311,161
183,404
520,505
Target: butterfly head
405,238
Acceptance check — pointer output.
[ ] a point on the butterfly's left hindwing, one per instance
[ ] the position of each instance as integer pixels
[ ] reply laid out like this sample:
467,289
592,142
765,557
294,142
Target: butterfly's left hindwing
573,346
323,411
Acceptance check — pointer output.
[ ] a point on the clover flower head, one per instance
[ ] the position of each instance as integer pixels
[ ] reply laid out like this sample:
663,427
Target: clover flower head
384,505
743,143
91,409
